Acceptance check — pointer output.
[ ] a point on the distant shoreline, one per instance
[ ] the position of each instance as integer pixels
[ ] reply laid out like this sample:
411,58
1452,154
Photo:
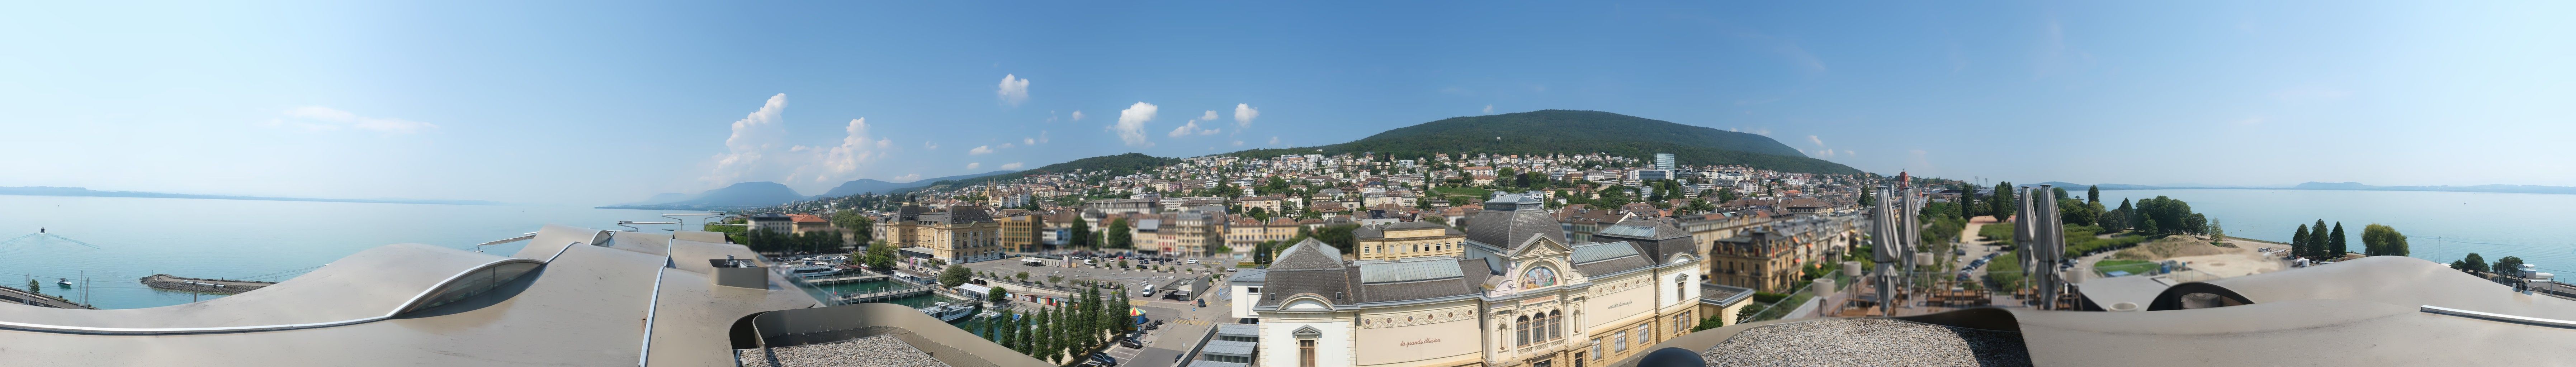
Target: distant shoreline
2557,190
84,192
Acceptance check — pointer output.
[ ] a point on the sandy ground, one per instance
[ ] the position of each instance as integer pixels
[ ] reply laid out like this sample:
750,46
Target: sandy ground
2245,259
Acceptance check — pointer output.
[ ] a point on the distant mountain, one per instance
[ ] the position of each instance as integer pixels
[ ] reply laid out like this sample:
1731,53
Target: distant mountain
77,191
747,194
2356,186
1565,131
868,185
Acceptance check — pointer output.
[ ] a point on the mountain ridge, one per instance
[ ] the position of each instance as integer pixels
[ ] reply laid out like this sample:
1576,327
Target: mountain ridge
1574,131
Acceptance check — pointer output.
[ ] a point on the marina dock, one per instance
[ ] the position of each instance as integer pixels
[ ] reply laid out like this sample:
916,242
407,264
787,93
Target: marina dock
21,296
201,285
847,278
882,295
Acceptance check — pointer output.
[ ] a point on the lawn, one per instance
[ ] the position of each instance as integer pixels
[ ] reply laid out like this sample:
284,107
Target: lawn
2131,266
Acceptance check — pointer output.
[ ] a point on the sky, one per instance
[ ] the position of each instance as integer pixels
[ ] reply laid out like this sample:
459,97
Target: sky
610,102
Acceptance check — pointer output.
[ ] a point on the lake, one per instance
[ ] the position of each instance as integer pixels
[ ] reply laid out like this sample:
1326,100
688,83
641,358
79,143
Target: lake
2439,226
241,239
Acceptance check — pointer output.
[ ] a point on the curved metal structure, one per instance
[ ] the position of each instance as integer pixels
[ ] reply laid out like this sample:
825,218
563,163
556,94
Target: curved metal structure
322,287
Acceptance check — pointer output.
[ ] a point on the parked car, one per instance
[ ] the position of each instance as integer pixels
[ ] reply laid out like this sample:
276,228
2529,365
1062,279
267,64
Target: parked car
1103,359
1202,302
1156,324
1194,261
1131,342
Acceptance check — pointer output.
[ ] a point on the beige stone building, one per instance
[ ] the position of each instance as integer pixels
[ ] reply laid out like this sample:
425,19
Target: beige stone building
1519,295
1020,230
956,234
1409,239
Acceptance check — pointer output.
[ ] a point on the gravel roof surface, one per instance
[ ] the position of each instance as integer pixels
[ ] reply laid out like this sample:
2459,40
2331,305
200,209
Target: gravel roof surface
881,350
1867,342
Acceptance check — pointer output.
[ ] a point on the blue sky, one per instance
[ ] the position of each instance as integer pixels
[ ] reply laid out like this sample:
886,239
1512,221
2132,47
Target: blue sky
592,103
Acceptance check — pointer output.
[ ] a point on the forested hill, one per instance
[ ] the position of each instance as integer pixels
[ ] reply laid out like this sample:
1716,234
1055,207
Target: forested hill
1115,165
1572,132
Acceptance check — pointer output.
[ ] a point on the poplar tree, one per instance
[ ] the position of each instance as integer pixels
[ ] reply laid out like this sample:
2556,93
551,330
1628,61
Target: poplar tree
2335,241
2317,239
1125,323
2093,194
2299,242
1044,346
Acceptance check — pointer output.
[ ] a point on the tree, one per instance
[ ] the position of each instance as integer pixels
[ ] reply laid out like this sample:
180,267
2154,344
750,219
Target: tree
1125,323
2002,204
1119,235
852,220
2216,234
34,287
2508,265
2075,212
2335,242
881,256
1868,197
2317,240
1711,322
2093,194
1082,234
954,276
998,295
2299,242
1042,343
2382,240
2472,263
1261,252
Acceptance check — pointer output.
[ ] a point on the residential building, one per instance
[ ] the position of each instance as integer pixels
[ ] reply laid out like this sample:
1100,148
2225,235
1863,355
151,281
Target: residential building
802,223
958,234
1021,230
772,222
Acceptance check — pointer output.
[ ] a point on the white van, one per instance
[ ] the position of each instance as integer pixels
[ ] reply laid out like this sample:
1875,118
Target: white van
1148,291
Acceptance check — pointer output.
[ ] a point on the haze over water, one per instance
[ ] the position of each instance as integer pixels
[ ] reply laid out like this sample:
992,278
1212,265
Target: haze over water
236,239
2440,226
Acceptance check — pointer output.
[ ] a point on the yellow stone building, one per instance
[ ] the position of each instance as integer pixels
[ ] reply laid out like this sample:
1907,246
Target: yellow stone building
1409,239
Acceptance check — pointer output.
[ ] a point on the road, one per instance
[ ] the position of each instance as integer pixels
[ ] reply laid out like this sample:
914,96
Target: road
1183,325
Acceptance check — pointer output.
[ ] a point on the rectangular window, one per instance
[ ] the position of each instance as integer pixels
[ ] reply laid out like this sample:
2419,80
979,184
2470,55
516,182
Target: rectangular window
1645,333
1619,342
1596,348
1306,353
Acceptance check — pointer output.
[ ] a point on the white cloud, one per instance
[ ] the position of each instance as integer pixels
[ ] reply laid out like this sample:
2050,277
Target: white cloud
1131,123
1209,116
1012,165
1243,115
979,150
928,145
972,165
841,161
1028,141
1827,153
1006,145
1077,115
1819,142
754,136
907,178
1238,143
318,118
1848,153
1014,90
1489,109
1274,140
757,150
1192,128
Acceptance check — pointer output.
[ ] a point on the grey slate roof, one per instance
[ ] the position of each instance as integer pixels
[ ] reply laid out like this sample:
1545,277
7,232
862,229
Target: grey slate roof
1656,238
1722,295
1327,283
1610,258
1228,347
1308,254
1427,268
1425,289
1511,219
1249,276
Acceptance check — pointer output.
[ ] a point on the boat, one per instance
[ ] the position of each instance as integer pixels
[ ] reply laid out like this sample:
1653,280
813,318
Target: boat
814,270
65,281
989,314
948,312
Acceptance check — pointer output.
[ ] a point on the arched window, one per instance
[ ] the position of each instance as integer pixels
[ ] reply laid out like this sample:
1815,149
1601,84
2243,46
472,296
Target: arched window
1538,277
1555,325
1679,292
1521,331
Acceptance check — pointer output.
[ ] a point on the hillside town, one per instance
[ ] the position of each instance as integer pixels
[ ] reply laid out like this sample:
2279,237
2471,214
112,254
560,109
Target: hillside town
1233,207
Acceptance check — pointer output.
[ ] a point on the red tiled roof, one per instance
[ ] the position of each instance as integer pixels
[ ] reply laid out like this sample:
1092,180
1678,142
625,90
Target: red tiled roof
806,218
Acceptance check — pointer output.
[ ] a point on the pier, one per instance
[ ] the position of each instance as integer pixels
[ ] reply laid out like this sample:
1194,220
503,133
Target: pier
847,278
879,296
201,285
21,296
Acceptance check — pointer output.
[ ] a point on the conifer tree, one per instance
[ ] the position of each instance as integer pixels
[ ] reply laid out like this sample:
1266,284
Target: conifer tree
2299,242
2335,241
2093,194
1040,336
2317,239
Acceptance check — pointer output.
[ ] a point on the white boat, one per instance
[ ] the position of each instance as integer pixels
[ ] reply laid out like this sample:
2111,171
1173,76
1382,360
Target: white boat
66,282
813,270
948,312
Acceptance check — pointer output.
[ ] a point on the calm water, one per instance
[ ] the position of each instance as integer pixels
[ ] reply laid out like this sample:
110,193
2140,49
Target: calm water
240,239
2440,226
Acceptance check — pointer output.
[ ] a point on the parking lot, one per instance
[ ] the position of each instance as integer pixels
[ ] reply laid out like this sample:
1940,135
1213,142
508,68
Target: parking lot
1184,323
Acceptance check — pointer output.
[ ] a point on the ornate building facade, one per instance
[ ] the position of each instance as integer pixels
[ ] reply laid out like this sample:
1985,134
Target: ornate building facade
1517,295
